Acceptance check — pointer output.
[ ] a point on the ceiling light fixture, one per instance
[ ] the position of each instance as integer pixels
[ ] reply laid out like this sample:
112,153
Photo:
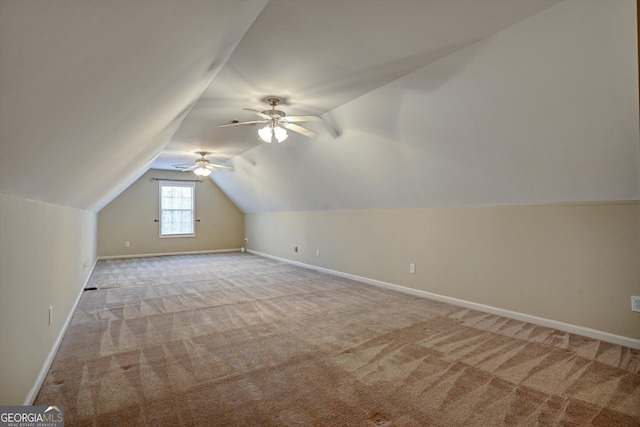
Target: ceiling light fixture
202,171
202,166
270,130
280,133
265,133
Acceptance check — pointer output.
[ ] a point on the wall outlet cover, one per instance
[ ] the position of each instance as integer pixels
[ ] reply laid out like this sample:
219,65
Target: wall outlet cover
635,303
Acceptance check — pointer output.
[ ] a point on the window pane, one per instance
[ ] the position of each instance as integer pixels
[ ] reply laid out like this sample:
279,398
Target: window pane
166,227
176,204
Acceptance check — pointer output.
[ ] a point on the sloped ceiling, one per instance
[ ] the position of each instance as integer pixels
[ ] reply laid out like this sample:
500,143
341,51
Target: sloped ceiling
425,103
318,55
545,111
94,93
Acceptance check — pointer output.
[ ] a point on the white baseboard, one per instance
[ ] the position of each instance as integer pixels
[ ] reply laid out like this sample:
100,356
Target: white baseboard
211,251
33,393
554,324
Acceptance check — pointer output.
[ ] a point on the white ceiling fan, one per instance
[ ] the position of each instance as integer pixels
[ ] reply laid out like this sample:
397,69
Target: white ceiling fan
277,123
202,166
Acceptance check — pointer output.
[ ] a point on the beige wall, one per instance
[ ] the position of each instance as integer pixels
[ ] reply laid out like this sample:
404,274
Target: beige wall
46,254
130,217
573,263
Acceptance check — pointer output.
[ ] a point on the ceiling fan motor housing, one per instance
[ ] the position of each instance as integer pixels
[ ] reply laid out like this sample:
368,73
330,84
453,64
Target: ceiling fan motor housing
274,114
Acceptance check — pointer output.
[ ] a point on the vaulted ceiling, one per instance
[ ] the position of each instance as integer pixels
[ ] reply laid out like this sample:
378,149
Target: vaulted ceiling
93,94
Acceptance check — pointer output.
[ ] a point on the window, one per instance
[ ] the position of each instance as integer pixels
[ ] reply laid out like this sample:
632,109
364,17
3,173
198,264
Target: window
176,209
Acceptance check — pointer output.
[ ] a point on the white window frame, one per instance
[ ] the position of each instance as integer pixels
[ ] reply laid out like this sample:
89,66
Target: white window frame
193,207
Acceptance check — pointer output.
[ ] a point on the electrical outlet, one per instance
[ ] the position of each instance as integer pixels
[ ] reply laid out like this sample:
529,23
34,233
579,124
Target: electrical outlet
412,268
50,314
127,244
317,252
635,303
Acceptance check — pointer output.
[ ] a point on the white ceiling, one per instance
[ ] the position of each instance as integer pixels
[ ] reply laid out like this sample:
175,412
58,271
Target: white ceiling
92,92
424,102
545,111
318,55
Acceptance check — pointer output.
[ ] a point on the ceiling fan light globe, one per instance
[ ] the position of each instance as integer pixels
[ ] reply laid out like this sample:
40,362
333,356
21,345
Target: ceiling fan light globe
280,133
202,172
266,133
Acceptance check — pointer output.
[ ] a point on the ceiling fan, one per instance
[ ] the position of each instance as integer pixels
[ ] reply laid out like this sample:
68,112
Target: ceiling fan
277,123
202,166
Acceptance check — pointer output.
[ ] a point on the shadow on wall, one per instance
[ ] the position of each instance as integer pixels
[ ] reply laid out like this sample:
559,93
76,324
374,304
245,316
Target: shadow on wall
349,83
380,112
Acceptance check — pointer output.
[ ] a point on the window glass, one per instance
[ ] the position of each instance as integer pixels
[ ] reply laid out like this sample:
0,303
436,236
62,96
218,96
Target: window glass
177,209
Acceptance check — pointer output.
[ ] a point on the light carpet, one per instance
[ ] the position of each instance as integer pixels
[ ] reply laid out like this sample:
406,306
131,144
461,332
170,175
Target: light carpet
239,340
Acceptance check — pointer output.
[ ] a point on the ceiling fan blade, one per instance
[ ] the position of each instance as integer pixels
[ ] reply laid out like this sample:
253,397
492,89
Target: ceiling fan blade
211,168
221,166
304,131
260,113
242,123
190,168
291,119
